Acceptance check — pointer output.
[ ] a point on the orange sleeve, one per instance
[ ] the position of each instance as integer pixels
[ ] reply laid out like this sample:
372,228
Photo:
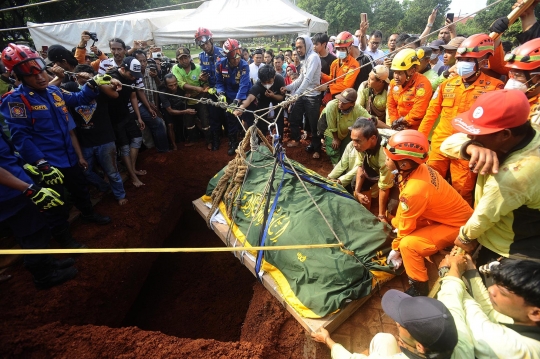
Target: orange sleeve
80,54
421,102
497,63
391,104
433,111
411,207
325,78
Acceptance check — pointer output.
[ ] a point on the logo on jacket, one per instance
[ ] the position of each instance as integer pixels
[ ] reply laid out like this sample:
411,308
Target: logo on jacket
86,111
17,110
58,101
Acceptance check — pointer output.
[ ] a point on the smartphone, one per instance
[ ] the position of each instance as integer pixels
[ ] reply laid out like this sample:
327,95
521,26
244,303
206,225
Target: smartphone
450,16
363,17
44,48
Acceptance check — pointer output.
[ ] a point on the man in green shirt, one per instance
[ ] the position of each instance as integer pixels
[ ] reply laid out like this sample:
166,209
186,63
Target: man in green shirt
189,79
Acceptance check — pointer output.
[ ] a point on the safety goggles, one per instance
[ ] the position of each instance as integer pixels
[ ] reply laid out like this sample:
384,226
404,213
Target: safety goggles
202,40
32,66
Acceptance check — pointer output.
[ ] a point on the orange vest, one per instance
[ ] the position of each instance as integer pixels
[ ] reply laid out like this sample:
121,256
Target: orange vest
411,101
345,82
534,114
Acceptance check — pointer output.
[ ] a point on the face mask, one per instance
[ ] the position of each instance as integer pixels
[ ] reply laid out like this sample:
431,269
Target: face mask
514,84
267,86
433,57
465,69
341,54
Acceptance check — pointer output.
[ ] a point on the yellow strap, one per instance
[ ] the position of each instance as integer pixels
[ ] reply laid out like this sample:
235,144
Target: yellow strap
163,250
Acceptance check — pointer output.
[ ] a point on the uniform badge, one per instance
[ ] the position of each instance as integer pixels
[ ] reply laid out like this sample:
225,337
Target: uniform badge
396,88
17,110
420,92
403,203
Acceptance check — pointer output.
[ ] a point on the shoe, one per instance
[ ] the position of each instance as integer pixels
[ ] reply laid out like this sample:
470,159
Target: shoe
5,277
417,288
56,277
96,218
62,263
316,155
310,149
293,143
216,139
233,144
65,240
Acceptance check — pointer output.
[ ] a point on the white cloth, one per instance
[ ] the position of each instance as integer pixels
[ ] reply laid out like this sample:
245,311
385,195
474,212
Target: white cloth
254,72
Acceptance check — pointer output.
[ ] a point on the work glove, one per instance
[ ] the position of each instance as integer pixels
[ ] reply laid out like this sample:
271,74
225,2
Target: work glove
222,98
51,175
234,103
400,124
102,79
33,172
395,258
500,25
212,91
44,198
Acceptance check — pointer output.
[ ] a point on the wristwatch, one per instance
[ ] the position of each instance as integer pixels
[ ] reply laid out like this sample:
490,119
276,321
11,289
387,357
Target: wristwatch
443,271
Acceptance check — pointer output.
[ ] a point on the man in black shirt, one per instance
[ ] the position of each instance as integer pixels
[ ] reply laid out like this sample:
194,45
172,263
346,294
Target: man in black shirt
364,60
96,136
265,92
319,45
128,134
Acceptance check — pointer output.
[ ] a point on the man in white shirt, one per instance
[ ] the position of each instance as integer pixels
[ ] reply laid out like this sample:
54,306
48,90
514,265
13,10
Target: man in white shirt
254,67
372,48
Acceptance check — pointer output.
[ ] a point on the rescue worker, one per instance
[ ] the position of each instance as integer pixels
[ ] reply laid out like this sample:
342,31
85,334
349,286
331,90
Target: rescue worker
21,201
524,75
506,218
43,133
457,95
344,64
430,211
208,59
409,92
232,85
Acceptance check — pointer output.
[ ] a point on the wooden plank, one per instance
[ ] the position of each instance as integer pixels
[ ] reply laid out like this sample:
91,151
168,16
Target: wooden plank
330,322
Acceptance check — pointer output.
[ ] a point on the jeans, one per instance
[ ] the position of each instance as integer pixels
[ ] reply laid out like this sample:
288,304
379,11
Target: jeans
106,157
310,107
157,127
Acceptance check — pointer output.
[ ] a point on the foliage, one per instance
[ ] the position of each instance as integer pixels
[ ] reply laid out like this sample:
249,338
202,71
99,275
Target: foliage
386,16
416,13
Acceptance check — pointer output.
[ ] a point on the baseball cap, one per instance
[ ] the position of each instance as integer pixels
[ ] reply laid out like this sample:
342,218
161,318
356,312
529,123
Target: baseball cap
494,111
57,53
436,44
356,42
382,72
427,320
347,96
454,43
182,51
133,65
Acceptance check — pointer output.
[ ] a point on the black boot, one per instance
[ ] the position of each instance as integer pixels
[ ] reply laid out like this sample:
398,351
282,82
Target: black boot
417,288
65,240
96,218
46,276
208,139
62,263
233,143
216,139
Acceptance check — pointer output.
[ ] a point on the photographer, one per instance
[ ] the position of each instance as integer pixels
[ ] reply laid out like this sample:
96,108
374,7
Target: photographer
80,51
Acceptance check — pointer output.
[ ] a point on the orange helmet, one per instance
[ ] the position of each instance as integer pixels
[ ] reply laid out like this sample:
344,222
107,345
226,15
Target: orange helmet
408,145
22,60
202,35
476,46
525,57
344,39
232,48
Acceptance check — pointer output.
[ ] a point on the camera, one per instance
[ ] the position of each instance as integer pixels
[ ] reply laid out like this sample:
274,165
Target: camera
93,36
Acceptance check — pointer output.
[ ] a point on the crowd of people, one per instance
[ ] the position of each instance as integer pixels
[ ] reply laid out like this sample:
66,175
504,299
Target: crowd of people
443,134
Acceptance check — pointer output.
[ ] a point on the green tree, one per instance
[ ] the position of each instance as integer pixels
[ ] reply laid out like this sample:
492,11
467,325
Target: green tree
341,15
386,16
417,13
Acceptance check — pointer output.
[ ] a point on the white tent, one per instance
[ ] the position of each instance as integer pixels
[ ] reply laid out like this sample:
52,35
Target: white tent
139,26
241,19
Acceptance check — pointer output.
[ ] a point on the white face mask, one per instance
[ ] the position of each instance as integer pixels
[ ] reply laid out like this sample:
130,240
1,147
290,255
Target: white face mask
341,54
465,69
514,84
267,86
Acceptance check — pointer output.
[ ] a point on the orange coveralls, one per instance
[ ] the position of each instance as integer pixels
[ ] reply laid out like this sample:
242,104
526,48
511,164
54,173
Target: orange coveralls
349,63
534,114
451,99
409,102
428,219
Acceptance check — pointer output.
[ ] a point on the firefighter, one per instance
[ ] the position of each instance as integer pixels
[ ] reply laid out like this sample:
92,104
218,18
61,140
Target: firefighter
457,95
430,211
409,92
344,64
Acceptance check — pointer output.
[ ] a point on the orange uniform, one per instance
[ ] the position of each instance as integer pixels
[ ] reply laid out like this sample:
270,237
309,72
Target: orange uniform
428,219
450,99
409,102
80,55
534,114
349,63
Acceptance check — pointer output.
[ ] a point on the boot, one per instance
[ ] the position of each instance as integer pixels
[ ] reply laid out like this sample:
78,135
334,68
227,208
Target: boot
208,139
62,263
233,144
65,240
216,139
96,218
417,288
45,275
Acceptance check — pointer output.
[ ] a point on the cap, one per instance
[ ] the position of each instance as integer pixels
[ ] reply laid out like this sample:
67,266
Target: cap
347,96
494,111
57,53
454,43
182,51
436,44
382,72
133,65
356,42
427,320
332,38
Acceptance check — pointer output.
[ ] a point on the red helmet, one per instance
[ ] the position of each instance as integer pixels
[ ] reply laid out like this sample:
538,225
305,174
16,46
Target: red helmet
525,57
202,35
408,145
232,48
22,60
476,46
344,39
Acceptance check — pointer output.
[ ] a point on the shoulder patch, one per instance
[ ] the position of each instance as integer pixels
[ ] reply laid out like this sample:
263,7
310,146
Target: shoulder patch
420,92
433,177
17,110
403,202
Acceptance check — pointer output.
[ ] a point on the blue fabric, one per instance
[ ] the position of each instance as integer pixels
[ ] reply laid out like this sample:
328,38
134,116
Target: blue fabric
208,64
156,126
106,157
234,82
40,128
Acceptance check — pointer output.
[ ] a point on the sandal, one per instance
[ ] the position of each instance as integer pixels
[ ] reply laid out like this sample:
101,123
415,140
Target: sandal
316,155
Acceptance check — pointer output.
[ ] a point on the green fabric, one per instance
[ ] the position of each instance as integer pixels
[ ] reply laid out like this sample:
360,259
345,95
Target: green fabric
338,122
322,279
191,78
335,155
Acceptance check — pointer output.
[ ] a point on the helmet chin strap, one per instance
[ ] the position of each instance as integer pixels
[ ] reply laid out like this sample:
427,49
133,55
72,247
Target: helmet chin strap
401,175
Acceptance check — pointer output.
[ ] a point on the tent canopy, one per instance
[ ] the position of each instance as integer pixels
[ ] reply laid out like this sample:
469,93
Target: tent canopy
241,19
130,27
